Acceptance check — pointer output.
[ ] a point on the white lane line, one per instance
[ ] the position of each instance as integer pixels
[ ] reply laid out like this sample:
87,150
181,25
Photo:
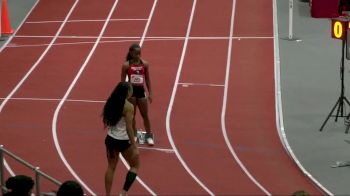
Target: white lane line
50,99
55,117
184,84
148,22
78,37
58,109
141,43
19,27
252,37
137,177
20,83
279,110
131,39
31,99
7,166
172,99
81,43
71,43
85,101
100,20
224,105
138,37
39,60
157,149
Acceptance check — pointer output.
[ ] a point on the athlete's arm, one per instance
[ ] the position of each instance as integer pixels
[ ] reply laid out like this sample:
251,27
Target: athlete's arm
129,116
148,82
124,71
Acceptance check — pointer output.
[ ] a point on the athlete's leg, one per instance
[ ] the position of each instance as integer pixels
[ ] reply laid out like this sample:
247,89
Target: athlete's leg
143,107
131,155
112,158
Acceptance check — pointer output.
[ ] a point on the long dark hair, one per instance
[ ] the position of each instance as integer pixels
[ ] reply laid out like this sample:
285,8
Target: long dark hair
131,48
113,109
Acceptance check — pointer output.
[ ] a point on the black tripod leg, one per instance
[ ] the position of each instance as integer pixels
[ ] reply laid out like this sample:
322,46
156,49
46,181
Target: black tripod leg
347,101
329,115
340,109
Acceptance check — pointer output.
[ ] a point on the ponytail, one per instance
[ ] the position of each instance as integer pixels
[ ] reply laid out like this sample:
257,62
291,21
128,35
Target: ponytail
128,56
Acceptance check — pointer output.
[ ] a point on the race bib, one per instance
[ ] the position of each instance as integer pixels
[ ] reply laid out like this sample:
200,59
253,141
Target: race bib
136,79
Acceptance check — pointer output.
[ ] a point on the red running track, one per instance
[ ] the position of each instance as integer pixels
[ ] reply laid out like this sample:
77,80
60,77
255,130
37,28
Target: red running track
195,69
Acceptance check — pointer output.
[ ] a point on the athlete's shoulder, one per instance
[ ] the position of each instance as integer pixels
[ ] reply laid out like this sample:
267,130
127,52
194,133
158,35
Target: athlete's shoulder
126,64
145,63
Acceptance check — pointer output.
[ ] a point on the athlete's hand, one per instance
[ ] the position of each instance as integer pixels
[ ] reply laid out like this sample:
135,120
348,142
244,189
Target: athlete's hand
150,98
135,148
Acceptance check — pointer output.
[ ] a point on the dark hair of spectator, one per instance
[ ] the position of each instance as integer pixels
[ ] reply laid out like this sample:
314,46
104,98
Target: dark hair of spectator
70,188
19,185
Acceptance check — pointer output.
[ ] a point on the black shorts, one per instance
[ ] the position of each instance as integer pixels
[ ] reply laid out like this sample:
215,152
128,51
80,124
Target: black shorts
138,92
113,145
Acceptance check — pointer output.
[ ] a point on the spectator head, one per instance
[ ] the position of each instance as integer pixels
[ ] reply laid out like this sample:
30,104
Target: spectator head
70,188
300,193
20,185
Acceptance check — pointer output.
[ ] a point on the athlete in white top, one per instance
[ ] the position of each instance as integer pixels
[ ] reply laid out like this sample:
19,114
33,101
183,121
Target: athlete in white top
118,114
119,130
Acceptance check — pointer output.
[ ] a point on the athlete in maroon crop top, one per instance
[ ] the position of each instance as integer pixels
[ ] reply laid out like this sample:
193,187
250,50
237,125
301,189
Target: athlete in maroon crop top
137,71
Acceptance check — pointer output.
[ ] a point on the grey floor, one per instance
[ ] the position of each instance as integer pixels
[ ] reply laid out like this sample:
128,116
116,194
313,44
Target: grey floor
18,10
310,85
310,80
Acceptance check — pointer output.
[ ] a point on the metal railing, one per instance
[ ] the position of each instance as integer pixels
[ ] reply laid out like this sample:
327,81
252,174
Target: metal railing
36,170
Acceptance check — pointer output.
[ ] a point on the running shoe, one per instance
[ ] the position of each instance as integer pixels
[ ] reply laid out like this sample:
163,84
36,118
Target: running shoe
149,139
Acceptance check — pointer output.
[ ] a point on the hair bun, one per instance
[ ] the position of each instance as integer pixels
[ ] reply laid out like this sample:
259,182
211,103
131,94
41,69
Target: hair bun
134,46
